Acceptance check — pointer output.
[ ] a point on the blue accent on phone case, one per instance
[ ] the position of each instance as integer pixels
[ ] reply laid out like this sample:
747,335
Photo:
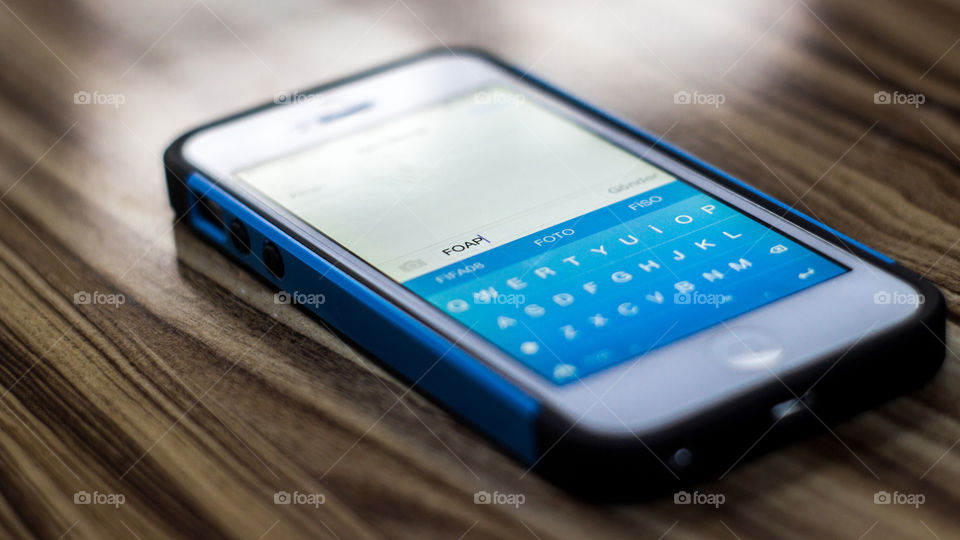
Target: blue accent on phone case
431,362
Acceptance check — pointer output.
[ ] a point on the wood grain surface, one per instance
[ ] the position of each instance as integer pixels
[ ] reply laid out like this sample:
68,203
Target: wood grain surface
142,368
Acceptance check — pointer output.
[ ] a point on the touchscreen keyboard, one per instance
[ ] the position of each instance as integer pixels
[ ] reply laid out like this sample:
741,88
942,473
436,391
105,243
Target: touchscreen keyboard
618,282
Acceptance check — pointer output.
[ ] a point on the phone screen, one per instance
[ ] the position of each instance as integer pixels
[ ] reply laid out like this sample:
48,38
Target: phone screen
565,250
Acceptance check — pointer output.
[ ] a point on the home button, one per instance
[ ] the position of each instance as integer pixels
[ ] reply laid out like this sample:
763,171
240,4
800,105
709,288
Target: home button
748,349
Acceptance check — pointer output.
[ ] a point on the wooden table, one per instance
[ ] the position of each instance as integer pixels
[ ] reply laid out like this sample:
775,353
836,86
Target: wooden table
198,398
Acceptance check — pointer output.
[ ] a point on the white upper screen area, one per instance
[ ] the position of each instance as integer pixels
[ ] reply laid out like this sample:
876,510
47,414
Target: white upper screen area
489,163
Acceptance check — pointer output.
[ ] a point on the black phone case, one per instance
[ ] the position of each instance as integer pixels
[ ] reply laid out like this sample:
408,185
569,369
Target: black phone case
716,439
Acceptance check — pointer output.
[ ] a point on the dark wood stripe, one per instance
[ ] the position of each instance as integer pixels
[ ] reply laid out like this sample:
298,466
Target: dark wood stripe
288,405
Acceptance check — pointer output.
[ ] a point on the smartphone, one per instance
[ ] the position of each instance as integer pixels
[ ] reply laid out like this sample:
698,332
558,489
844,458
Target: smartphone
613,312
